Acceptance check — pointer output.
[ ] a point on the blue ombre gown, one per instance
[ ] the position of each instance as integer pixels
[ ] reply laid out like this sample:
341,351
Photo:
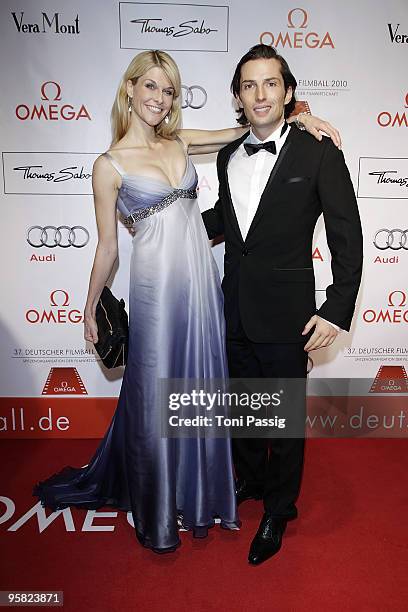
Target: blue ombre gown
176,330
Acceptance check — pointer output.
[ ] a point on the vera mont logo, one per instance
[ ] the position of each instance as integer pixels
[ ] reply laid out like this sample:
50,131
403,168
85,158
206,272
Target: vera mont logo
47,23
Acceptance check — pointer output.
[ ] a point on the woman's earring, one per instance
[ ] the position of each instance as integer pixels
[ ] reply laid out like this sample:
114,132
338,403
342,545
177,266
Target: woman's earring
167,118
129,104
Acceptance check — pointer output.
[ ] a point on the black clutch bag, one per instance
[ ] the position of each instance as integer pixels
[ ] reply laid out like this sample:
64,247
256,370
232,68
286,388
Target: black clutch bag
113,330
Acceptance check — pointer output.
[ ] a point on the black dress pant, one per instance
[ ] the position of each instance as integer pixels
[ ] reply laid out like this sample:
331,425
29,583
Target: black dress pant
273,467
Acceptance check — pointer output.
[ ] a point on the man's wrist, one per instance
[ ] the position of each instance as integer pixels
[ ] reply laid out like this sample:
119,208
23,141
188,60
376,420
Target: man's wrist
336,327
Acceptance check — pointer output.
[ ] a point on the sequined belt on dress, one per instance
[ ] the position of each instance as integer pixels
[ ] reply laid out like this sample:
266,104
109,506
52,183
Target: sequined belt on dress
190,194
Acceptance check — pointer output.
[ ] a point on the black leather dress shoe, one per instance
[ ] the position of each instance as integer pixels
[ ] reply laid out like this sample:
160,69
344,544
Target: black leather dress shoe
268,539
244,492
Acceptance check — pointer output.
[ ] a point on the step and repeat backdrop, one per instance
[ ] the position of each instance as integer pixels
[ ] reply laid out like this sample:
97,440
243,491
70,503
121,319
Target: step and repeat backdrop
61,65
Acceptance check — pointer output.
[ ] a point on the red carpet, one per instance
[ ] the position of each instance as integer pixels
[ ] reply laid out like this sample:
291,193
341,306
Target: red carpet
347,551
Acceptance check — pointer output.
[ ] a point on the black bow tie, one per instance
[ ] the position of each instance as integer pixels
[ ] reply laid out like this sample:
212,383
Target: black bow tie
254,148
270,145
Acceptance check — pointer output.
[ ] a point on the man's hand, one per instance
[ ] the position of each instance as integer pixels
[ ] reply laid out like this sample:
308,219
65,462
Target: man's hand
323,335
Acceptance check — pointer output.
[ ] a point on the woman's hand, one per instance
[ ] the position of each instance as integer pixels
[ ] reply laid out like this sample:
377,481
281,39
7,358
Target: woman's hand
316,127
90,327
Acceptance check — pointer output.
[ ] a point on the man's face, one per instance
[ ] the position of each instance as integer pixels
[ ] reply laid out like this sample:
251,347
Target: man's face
262,94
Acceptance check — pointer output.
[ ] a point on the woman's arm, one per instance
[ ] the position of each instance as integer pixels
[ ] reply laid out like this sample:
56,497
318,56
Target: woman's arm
316,127
105,185
211,141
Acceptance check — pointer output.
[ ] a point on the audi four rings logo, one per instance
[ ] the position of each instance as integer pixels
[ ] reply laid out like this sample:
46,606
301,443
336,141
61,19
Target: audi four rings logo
394,239
63,236
193,97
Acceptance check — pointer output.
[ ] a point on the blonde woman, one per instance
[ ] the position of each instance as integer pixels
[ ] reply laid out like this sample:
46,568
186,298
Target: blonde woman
176,324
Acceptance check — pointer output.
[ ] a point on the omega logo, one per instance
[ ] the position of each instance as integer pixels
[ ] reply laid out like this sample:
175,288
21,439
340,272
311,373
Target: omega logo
51,112
297,20
58,313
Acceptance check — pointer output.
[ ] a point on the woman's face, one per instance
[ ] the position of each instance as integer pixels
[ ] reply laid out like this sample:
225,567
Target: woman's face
152,96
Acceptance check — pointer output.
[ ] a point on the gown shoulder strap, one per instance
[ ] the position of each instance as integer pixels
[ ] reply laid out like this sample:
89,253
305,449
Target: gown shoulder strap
182,144
114,163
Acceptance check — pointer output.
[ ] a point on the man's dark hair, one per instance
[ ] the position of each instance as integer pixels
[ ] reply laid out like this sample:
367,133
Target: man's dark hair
264,52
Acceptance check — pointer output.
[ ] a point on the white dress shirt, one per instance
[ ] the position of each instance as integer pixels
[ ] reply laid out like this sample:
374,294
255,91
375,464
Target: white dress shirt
248,175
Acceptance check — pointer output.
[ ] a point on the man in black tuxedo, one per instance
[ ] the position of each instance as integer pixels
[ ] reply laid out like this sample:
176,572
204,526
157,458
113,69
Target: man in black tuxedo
274,183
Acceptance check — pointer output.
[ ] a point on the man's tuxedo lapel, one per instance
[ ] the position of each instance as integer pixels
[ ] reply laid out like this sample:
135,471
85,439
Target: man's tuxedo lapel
284,160
228,151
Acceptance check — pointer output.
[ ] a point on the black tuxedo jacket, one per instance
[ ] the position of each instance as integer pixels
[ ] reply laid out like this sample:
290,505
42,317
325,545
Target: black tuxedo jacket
269,280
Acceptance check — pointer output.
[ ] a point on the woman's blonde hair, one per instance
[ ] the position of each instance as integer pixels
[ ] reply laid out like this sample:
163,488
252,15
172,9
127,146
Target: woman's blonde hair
140,64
